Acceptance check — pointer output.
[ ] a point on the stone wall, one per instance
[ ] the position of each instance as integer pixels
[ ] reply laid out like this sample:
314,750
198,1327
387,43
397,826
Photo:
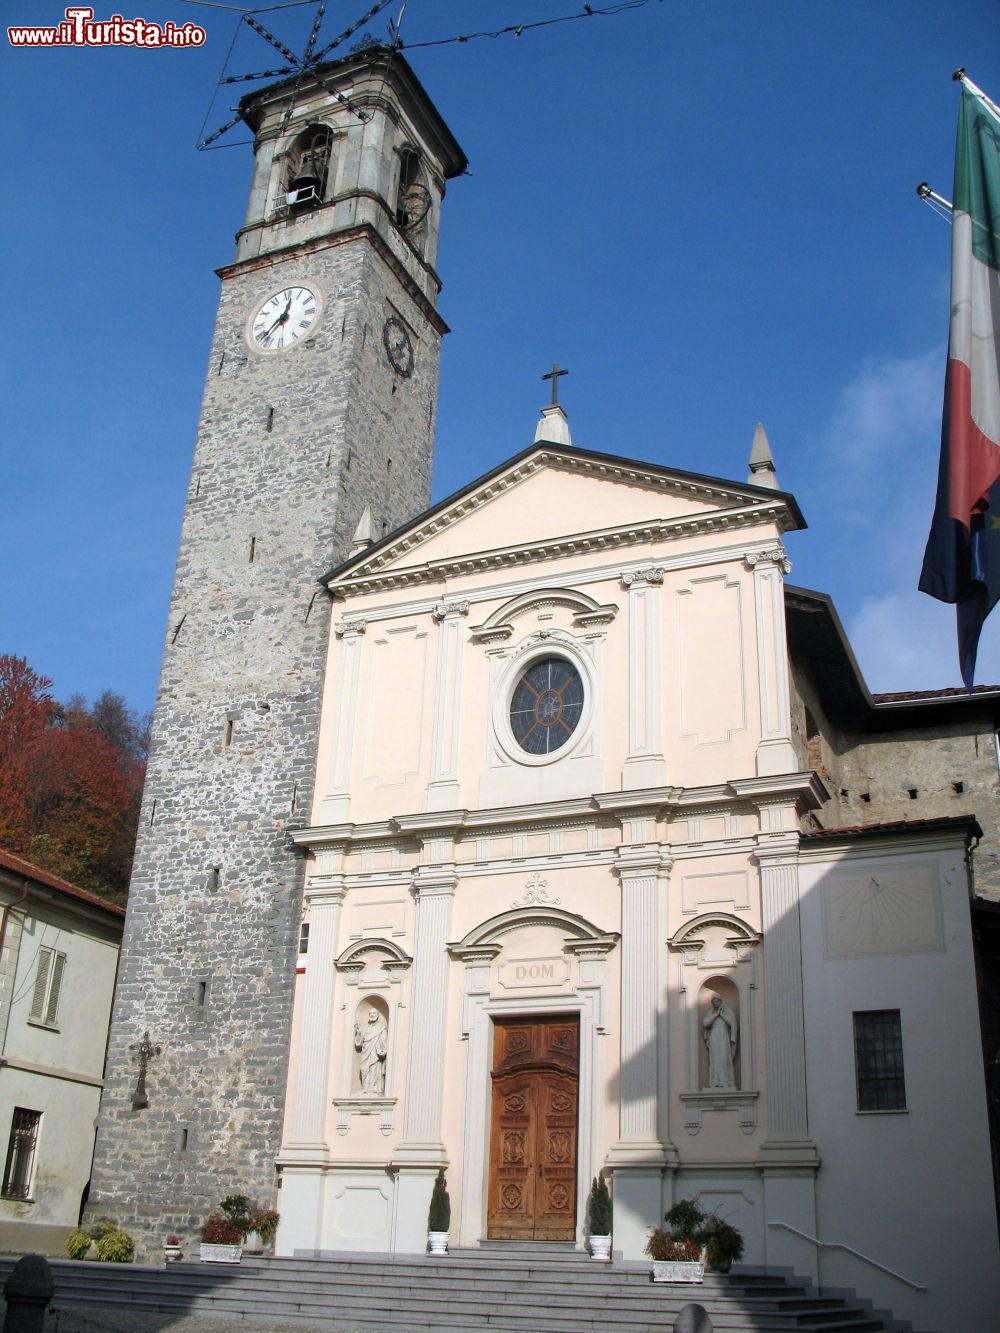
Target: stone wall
925,771
291,447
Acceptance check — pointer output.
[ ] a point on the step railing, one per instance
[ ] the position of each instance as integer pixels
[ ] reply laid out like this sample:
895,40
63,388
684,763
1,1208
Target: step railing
837,1245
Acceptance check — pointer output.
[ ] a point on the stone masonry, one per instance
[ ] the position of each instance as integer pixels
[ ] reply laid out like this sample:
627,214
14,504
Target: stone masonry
291,447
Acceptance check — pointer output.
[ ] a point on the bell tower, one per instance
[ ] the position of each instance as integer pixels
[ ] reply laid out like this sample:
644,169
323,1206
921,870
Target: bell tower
319,405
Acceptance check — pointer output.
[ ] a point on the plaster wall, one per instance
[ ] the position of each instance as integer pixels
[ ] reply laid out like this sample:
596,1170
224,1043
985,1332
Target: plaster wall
909,1189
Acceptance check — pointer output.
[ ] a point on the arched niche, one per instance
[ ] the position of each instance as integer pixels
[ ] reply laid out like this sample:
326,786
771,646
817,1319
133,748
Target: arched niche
307,168
371,1043
719,996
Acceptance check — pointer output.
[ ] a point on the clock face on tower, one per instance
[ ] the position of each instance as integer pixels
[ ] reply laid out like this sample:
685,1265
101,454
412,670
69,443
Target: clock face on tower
283,319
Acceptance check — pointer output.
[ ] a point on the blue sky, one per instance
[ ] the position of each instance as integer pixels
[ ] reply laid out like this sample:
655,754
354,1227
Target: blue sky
707,212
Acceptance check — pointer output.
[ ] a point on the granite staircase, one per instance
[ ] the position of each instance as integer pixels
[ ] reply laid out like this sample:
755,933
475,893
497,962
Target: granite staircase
519,1292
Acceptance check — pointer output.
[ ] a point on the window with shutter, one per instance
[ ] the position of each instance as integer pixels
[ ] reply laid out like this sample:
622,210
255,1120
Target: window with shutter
48,984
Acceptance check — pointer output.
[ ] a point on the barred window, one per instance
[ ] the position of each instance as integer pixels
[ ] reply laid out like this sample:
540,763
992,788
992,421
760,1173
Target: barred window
21,1153
48,983
878,1060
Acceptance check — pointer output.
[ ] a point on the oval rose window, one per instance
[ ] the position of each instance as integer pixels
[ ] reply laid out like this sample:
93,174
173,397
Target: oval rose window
546,705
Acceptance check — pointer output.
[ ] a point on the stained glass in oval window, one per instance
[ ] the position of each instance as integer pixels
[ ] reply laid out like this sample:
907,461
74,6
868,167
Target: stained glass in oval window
546,705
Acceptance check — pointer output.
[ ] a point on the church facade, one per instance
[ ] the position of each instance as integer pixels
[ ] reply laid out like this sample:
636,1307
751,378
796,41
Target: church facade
551,833
573,905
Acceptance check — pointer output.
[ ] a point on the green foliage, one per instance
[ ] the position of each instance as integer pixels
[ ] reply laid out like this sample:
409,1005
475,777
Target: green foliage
116,1248
78,1243
439,1215
236,1207
219,1230
599,1208
723,1243
685,1220
662,1246
265,1222
101,1228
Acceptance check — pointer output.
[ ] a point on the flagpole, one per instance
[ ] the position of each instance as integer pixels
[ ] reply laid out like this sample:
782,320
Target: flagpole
961,77
925,192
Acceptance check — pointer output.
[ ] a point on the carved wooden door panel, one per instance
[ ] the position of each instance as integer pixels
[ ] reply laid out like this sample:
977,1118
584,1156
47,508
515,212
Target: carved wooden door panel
532,1183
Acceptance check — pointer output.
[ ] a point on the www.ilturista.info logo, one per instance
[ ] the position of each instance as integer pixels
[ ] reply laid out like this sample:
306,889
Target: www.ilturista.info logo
79,28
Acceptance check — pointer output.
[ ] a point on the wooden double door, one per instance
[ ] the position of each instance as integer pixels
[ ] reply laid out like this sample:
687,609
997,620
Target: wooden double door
533,1129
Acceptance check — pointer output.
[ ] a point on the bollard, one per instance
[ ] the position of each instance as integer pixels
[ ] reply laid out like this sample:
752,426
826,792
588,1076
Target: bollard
693,1319
28,1291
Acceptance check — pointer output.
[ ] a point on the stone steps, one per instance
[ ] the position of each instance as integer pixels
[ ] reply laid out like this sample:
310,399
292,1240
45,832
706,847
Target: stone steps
512,1293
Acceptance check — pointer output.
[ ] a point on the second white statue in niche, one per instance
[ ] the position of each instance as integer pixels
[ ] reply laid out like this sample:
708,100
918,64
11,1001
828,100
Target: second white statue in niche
720,1033
372,1042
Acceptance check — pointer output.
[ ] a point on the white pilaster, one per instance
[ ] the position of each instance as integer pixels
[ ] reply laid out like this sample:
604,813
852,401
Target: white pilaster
775,753
307,1139
336,803
434,887
644,765
442,791
639,1157
788,1160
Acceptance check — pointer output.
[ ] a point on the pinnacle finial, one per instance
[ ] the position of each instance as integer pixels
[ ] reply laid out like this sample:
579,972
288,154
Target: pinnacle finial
762,470
364,533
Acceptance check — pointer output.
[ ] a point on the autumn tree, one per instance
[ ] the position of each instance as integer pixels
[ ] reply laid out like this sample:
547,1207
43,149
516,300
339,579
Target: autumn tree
69,798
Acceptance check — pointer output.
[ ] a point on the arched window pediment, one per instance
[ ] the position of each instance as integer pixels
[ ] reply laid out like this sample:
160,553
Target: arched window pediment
586,612
578,932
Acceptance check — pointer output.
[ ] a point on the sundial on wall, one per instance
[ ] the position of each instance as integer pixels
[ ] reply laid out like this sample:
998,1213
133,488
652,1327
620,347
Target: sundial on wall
882,910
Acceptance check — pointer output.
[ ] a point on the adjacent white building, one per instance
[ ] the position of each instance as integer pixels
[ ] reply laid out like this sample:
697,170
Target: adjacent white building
57,974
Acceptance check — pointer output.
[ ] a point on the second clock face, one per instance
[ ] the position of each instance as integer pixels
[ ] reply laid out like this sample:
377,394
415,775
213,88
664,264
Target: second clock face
284,319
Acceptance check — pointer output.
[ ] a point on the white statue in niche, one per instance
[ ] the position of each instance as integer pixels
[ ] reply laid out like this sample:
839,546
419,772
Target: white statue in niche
720,1030
372,1042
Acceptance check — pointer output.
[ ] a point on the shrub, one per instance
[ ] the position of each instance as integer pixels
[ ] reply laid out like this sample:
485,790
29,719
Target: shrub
102,1227
116,1247
439,1215
685,1220
219,1230
78,1243
723,1243
662,1246
599,1208
265,1222
173,1240
236,1207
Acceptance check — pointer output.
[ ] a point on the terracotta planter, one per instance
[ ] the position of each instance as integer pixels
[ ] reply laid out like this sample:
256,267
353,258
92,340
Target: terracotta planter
437,1242
220,1254
600,1249
678,1270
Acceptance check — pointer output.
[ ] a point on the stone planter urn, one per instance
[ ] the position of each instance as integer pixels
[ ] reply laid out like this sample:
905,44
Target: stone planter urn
678,1270
600,1249
437,1242
220,1254
253,1243
172,1254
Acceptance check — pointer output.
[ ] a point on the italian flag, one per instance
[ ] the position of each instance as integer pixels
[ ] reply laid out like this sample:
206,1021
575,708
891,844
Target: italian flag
962,560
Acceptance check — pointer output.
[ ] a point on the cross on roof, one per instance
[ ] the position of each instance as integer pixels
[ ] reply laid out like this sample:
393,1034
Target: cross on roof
553,375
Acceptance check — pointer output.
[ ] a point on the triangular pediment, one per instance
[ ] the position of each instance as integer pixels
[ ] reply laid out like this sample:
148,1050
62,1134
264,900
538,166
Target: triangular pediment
554,497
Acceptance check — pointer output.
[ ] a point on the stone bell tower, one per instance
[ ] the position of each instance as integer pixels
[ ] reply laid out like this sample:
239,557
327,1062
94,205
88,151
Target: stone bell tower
318,411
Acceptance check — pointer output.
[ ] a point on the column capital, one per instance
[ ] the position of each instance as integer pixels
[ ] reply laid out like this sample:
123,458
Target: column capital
450,610
325,890
648,576
641,862
350,627
775,556
435,881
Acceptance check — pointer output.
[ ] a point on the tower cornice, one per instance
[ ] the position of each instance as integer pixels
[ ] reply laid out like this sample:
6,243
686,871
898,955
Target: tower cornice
365,231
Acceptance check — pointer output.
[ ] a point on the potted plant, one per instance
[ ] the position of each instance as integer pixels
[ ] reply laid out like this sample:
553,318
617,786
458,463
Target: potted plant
674,1259
723,1243
221,1241
78,1243
172,1250
263,1223
115,1247
599,1220
439,1217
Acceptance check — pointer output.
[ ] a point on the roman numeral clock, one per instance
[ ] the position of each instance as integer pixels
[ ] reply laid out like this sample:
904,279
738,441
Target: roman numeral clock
319,400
